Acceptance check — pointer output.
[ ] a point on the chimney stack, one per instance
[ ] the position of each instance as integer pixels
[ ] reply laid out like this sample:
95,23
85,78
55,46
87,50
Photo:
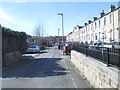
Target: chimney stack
102,14
112,8
89,21
95,18
85,24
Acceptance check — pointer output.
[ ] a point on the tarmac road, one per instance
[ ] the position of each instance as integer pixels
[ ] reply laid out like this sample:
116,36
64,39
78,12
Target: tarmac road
48,69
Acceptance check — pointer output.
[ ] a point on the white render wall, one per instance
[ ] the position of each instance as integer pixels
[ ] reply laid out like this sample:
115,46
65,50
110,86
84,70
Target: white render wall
110,30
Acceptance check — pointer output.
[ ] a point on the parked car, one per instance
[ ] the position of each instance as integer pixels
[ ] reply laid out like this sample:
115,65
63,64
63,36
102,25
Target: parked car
33,49
97,45
42,47
113,45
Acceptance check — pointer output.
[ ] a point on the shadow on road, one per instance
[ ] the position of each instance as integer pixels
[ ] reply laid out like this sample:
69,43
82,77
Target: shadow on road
37,52
36,67
43,52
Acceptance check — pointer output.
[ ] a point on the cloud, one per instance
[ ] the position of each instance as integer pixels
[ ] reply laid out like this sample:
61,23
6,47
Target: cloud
5,16
20,1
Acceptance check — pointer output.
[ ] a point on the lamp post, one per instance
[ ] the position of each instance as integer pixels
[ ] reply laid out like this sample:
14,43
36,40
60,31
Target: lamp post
58,35
62,30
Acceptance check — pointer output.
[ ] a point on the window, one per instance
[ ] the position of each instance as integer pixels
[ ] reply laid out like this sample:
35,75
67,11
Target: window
82,31
86,29
99,23
95,36
110,18
86,38
99,35
104,21
95,25
91,27
81,38
105,36
111,35
91,36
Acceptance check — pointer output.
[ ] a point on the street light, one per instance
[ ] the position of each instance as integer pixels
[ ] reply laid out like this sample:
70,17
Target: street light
62,30
58,35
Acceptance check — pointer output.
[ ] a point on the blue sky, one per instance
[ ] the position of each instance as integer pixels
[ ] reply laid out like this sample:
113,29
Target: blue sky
26,15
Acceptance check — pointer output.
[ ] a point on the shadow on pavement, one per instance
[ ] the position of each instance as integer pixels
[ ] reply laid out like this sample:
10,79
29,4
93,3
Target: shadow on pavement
43,52
36,68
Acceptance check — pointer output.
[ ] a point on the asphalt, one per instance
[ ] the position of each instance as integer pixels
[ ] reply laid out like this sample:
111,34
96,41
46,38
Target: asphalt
47,69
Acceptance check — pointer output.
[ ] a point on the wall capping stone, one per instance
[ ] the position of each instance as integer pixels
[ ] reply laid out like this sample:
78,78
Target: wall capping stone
92,69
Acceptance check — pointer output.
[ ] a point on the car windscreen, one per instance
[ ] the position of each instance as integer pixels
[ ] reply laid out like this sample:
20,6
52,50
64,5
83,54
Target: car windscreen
118,43
113,43
32,47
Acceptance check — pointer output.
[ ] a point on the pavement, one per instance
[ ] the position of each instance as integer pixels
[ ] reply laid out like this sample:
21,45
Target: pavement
47,69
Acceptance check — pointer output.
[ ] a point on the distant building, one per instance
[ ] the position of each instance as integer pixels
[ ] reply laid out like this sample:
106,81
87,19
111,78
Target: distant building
46,41
74,36
105,28
57,39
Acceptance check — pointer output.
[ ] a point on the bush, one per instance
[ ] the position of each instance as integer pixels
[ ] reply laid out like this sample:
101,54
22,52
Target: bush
13,41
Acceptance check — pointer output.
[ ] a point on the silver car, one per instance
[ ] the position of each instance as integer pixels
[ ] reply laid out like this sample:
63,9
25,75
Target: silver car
113,45
33,49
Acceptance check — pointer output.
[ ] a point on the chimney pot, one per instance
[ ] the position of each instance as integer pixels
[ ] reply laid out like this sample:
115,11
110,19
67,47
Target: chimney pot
102,14
89,21
85,24
95,18
112,8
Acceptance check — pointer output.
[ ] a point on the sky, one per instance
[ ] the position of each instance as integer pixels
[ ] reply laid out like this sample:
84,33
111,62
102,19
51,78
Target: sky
25,16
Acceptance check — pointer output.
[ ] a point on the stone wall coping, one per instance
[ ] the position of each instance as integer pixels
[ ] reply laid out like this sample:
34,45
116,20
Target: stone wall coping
110,72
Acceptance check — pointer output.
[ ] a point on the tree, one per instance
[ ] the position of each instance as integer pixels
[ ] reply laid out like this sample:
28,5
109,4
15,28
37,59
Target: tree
38,30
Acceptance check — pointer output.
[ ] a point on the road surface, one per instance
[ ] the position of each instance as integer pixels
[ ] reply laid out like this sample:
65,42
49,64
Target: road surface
48,69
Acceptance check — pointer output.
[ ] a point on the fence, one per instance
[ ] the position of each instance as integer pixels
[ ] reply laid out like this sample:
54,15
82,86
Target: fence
109,56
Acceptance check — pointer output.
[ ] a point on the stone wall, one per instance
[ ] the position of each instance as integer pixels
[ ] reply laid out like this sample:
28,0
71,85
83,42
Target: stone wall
97,73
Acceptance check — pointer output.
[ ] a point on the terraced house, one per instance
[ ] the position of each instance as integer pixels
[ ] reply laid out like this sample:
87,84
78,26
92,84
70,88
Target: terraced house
106,28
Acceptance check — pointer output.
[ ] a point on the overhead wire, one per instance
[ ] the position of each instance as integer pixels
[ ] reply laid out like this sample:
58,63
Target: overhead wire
67,8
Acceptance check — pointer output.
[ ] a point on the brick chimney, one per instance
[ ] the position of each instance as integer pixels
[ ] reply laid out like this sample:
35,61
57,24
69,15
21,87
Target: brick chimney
102,14
112,8
95,18
89,21
85,24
